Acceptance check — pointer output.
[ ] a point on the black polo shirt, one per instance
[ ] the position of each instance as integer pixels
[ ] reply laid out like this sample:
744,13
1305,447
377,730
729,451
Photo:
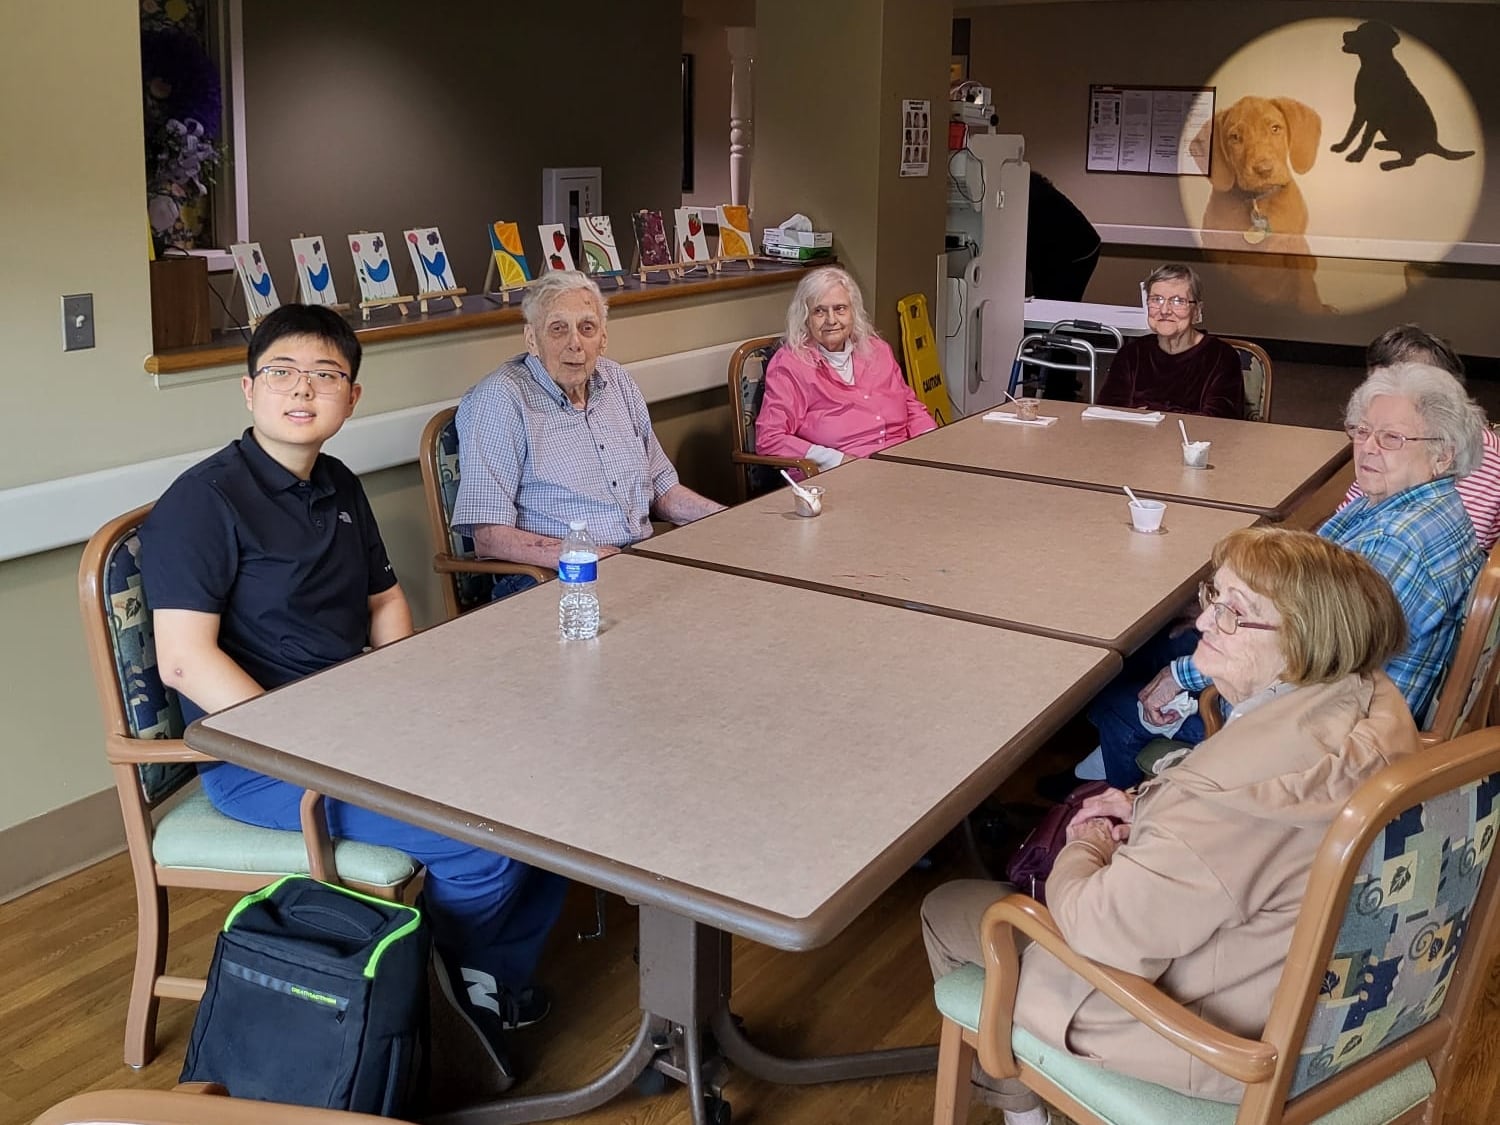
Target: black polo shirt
288,565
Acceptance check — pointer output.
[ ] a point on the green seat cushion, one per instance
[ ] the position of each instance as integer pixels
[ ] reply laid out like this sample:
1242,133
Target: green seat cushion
194,834
1120,1100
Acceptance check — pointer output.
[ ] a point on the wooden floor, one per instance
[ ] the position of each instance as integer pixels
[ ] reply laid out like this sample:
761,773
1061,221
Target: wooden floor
68,947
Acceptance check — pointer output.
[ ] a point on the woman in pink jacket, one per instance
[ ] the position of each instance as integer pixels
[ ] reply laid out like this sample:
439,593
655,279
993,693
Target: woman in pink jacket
833,391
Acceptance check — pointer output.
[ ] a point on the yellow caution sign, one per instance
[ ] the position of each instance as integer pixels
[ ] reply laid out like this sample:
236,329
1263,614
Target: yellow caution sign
924,372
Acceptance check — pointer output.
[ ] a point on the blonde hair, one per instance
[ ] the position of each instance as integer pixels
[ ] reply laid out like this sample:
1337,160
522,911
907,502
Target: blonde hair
1338,613
809,290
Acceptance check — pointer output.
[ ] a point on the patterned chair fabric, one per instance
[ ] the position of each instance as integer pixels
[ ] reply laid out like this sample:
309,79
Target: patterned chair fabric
761,478
1403,928
473,589
151,708
1254,374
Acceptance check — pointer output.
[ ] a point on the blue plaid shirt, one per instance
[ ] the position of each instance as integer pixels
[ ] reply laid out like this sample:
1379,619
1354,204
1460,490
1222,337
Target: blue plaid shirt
529,458
1422,541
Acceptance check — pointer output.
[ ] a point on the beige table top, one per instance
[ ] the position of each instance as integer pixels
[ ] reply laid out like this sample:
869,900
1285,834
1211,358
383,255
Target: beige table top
1254,466
761,758
1061,562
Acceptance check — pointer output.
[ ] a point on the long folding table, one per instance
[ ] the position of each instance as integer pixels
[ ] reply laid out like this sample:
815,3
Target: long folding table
735,756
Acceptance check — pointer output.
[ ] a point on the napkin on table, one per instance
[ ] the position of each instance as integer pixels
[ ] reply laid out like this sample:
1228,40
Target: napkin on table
1110,414
1010,416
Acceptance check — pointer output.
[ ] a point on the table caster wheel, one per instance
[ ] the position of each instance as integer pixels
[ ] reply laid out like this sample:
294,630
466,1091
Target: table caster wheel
718,1111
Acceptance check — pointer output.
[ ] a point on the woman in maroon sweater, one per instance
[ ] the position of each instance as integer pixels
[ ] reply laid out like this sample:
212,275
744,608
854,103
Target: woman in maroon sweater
1177,368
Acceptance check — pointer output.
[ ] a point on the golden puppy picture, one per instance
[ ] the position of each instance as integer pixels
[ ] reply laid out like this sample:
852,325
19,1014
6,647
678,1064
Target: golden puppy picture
1260,145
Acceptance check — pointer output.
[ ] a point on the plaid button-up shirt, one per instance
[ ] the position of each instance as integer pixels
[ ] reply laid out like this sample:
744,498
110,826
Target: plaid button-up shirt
1422,541
528,458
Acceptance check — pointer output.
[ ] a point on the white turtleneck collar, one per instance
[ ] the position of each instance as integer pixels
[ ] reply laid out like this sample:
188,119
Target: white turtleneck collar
841,362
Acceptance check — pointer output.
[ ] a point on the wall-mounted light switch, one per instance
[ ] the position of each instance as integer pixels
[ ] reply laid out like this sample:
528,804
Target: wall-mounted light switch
78,321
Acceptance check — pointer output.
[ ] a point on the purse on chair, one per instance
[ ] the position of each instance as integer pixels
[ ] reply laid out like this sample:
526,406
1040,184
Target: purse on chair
1031,864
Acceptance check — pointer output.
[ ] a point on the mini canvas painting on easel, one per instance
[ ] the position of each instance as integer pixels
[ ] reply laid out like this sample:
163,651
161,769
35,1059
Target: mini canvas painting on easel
314,278
507,261
596,244
653,252
377,280
434,271
556,254
735,244
692,243
255,279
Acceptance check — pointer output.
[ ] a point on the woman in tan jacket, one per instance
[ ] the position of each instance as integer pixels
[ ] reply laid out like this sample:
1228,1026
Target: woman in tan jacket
1196,879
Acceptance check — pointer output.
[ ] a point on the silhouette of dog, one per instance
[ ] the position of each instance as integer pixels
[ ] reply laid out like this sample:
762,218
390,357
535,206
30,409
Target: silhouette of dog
1386,101
1260,145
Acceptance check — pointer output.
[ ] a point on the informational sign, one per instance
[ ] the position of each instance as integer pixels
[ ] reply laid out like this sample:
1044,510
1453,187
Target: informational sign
916,137
1165,131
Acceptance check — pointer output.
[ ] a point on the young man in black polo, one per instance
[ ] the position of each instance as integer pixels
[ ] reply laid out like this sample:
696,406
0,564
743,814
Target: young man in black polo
263,564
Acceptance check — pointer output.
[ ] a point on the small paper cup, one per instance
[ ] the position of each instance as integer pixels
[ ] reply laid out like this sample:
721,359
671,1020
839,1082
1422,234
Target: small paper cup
1146,515
1195,454
809,507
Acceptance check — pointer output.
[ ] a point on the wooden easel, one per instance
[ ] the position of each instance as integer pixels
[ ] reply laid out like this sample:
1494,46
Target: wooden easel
384,303
492,275
617,275
641,270
453,295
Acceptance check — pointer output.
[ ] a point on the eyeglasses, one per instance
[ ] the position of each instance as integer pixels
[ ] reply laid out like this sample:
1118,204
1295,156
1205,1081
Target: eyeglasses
284,380
1226,618
1178,304
1389,440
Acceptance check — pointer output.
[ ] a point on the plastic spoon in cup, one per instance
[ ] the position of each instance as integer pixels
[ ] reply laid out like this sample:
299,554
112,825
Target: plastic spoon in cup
1134,499
797,488
1183,428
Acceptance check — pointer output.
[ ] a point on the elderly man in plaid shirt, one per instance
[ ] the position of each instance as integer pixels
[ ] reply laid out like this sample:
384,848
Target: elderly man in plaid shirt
1415,430
562,434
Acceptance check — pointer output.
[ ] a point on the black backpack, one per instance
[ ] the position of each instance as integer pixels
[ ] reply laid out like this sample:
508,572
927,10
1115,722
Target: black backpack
317,996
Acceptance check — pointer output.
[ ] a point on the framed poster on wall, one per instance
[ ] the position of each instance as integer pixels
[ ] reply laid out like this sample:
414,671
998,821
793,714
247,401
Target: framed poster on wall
1150,130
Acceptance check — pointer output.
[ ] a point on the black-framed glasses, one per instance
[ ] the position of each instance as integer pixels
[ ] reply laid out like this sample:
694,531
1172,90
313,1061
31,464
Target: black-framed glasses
1388,440
1226,618
1177,304
284,380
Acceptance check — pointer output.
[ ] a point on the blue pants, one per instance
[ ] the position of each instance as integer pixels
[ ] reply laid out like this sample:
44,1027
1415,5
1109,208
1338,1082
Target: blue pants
508,584
1115,711
487,911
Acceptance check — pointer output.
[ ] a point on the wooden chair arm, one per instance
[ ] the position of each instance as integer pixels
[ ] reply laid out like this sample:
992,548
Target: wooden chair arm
809,468
120,750
320,864
1208,707
192,1105
1248,1060
447,564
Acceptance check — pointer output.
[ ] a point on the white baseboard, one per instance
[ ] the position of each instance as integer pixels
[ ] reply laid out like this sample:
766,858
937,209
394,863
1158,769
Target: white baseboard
58,513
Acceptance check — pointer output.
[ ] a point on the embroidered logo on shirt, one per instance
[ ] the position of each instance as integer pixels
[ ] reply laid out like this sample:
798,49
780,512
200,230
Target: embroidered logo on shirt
345,517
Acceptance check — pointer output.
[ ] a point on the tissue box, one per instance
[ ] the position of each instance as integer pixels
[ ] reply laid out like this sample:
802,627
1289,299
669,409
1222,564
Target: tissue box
809,239
796,253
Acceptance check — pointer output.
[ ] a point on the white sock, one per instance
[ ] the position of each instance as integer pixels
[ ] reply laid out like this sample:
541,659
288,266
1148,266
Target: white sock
1090,769
1037,1115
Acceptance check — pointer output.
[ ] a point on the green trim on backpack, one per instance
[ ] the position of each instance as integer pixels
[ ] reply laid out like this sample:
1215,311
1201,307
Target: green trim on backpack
375,954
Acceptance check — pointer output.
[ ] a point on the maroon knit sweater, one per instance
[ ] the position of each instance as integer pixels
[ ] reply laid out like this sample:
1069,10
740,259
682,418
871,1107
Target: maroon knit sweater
1205,379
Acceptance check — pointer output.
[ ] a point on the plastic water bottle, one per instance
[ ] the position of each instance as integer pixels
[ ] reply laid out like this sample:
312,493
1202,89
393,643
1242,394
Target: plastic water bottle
577,566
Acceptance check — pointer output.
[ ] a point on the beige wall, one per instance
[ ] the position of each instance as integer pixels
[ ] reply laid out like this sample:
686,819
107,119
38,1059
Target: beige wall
75,173
828,96
1041,58
383,117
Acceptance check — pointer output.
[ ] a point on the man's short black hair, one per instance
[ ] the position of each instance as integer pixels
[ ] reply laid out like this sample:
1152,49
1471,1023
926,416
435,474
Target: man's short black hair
306,320
1411,343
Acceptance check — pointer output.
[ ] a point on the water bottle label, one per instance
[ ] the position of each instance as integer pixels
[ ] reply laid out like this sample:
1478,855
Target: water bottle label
569,570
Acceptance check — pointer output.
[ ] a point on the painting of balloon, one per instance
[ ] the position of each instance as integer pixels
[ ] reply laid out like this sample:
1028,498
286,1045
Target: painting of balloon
429,260
260,290
314,278
372,263
555,250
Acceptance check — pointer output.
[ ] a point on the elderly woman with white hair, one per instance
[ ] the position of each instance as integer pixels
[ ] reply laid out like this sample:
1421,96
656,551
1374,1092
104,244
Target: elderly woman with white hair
560,434
1415,430
833,391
